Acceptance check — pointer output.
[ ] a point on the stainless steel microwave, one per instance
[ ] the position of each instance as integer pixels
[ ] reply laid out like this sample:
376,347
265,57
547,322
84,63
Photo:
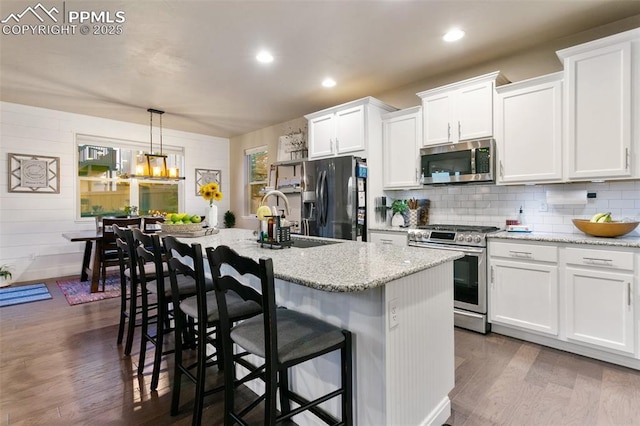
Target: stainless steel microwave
463,162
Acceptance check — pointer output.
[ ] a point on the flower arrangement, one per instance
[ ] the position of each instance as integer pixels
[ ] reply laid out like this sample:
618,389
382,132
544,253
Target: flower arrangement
211,192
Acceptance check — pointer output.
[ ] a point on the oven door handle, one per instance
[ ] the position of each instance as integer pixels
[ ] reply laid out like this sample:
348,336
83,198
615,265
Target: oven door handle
463,250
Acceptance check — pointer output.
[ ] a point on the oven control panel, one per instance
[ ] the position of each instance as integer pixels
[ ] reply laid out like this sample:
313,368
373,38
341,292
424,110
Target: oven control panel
476,239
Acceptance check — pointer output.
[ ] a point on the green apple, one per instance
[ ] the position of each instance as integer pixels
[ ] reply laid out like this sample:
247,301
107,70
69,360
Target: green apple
196,219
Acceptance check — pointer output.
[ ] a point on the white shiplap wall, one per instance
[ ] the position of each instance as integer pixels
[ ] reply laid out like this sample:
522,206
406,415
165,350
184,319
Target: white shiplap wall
31,225
492,204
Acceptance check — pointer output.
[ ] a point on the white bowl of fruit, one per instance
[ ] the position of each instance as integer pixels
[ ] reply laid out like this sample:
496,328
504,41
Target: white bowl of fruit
602,225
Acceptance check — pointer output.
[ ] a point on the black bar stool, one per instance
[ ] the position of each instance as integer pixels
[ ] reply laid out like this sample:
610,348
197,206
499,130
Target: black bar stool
201,309
284,338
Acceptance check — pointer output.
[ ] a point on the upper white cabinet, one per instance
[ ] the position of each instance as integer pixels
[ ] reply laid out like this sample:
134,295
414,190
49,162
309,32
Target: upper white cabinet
529,131
601,91
344,129
460,111
401,142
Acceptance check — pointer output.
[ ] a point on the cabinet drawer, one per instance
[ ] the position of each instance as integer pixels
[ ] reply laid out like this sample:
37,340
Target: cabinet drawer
393,238
524,251
600,258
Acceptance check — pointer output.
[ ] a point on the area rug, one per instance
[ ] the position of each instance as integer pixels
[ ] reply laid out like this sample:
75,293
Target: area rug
23,294
77,292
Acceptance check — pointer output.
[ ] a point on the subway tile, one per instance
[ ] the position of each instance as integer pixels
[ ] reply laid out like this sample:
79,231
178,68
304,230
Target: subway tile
621,204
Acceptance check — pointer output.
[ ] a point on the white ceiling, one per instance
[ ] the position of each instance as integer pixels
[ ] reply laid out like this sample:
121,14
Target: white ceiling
196,59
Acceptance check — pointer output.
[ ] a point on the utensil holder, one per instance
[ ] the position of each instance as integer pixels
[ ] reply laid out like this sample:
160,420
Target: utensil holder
413,217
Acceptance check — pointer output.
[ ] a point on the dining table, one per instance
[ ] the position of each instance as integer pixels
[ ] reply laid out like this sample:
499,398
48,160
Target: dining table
89,268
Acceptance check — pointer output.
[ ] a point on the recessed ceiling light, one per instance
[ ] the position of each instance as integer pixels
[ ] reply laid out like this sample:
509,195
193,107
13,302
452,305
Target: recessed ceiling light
264,57
453,35
328,82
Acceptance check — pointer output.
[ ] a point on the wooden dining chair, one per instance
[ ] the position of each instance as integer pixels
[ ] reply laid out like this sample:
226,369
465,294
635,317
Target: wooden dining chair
283,338
202,310
151,224
107,245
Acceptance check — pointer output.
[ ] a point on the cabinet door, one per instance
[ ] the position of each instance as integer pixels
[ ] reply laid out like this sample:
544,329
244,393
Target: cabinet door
321,136
529,134
350,130
599,112
437,112
599,308
474,112
392,238
524,294
401,141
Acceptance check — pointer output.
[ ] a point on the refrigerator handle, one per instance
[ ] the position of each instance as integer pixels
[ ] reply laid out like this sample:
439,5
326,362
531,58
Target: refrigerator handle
318,199
350,193
323,199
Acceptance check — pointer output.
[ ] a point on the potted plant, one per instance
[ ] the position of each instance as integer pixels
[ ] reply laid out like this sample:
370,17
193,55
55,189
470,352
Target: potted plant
131,210
5,276
229,219
398,207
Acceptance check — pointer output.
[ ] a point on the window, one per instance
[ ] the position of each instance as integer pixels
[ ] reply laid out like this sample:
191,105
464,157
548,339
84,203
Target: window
105,186
257,176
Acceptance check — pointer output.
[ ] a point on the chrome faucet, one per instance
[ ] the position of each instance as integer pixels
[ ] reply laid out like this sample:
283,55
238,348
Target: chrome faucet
277,194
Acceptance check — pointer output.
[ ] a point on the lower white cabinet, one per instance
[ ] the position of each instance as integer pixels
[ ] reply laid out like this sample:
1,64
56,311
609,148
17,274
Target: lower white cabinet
598,298
524,287
574,297
392,238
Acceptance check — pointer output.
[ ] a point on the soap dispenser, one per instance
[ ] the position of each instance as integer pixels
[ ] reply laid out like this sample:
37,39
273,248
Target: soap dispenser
520,217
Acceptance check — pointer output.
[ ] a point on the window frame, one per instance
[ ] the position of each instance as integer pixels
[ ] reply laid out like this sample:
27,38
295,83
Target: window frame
248,210
122,144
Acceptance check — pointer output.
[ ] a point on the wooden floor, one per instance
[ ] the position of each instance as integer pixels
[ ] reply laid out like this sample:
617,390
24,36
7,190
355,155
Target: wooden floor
60,365
505,381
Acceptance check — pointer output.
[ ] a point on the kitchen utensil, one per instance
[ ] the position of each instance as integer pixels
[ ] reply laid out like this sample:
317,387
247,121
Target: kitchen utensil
605,229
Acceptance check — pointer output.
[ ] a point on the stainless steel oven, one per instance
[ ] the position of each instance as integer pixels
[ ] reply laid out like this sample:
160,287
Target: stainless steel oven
469,272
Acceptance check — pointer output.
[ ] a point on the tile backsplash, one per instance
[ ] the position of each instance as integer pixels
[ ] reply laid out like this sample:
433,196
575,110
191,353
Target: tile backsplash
493,204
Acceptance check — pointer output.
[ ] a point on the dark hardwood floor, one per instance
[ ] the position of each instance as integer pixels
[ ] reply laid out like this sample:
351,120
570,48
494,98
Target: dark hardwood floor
60,364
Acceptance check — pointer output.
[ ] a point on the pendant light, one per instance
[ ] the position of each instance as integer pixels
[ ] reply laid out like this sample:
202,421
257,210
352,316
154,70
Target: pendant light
152,165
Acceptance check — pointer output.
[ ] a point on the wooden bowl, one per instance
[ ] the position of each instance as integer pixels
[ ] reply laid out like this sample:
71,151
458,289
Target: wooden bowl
605,229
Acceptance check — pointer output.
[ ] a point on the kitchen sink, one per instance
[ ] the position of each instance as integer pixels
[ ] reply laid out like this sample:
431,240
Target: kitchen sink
300,243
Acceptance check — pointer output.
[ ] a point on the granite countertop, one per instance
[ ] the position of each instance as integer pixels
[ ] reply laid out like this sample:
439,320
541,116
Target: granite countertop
347,266
630,240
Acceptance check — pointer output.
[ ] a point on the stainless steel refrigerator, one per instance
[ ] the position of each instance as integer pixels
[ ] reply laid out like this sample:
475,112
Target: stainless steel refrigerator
333,198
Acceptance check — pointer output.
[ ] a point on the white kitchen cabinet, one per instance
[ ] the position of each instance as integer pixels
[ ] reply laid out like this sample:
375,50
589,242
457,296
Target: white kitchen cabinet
391,238
459,111
601,92
321,135
401,142
529,131
599,308
344,129
523,286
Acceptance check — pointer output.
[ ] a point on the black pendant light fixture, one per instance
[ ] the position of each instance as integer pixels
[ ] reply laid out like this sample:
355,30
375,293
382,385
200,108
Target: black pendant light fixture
152,165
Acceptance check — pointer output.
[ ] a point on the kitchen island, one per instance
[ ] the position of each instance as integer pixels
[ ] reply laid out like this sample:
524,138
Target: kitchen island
397,302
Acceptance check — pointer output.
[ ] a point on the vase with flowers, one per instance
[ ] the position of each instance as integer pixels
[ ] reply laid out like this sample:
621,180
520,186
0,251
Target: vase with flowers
211,192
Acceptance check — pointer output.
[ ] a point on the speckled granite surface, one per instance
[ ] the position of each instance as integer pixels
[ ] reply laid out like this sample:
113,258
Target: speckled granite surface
347,266
629,240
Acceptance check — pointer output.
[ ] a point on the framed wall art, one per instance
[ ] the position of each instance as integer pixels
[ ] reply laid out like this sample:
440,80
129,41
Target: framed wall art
34,173
205,176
